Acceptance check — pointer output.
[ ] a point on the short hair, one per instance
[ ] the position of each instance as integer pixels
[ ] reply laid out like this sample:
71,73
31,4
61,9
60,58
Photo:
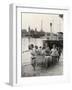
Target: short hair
43,47
29,47
40,47
32,45
36,47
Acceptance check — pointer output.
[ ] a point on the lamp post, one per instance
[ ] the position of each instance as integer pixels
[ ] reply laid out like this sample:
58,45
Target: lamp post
41,25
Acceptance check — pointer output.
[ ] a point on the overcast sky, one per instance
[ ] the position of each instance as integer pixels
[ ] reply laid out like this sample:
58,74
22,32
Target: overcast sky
34,21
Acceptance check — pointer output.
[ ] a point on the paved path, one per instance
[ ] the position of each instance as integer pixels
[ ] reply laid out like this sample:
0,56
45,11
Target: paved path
53,70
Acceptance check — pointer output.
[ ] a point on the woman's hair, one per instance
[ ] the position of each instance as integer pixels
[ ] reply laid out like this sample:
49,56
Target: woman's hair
36,47
43,47
30,46
40,47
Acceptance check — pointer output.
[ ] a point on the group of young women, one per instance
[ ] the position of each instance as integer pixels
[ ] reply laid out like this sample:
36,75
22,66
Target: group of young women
47,53
35,50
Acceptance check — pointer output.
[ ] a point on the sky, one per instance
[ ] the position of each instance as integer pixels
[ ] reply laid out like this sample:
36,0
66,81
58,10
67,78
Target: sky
34,21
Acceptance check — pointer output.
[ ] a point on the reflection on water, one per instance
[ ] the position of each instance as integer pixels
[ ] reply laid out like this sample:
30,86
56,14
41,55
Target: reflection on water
25,43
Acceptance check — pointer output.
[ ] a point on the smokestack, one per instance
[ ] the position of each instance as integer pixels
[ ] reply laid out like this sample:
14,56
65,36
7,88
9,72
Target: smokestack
51,27
51,30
